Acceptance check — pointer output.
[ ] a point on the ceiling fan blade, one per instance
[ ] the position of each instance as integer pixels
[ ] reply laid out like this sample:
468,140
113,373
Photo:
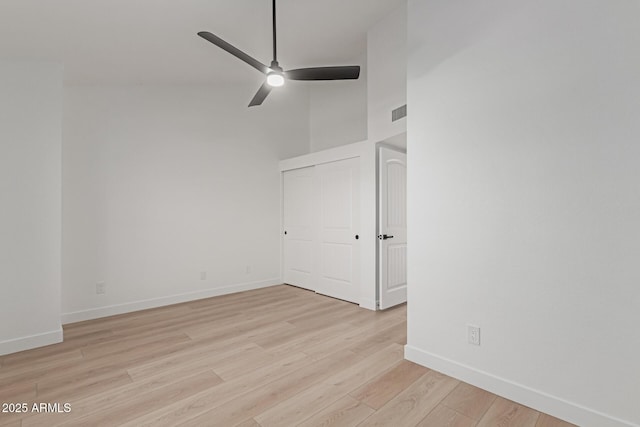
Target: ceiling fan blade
260,95
324,73
234,51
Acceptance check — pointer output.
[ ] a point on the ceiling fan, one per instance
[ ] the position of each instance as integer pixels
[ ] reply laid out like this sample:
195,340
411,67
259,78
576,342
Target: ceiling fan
275,74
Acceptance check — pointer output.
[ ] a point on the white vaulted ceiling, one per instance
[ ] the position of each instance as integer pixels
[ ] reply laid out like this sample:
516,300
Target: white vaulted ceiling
155,41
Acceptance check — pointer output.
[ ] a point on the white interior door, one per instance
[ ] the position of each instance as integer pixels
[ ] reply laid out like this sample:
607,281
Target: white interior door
299,227
392,228
338,262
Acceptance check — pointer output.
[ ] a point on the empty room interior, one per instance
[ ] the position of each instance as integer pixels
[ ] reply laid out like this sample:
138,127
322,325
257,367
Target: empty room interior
301,213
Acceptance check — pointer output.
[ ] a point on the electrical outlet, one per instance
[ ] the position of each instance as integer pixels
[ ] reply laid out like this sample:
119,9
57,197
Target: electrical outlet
101,288
473,334
203,275
247,270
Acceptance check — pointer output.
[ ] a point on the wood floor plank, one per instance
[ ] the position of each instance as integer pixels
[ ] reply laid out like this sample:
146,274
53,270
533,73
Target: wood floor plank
202,356
505,413
298,408
396,333
241,358
128,344
67,372
279,337
469,400
86,337
11,420
380,318
189,360
254,297
178,325
149,316
414,403
158,398
234,366
380,390
344,338
443,416
66,389
262,398
43,355
249,423
221,394
321,317
304,340
110,397
19,392
237,325
10,373
109,369
548,421
231,336
345,412
114,400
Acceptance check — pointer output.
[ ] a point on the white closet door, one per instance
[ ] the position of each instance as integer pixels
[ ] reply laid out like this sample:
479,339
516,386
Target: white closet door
299,227
338,263
392,228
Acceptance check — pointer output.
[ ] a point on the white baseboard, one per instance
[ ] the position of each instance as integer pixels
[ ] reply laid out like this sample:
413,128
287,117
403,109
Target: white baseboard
112,310
32,341
538,400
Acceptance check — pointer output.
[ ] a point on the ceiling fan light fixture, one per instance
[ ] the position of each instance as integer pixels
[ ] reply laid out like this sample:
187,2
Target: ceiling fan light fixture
274,73
275,80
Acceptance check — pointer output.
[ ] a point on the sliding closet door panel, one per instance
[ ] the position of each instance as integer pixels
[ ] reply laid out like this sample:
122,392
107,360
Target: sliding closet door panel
337,266
299,227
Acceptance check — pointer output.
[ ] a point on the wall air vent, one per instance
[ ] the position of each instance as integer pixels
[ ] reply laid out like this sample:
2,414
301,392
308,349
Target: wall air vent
399,113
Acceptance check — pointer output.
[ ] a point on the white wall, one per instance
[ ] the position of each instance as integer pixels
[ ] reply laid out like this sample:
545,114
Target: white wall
338,110
30,144
524,192
346,112
387,75
163,183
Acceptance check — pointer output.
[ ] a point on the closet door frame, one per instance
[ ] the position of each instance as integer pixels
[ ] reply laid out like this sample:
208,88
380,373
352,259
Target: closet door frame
366,152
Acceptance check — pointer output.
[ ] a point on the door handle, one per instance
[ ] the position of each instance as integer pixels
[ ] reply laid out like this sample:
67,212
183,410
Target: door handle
384,237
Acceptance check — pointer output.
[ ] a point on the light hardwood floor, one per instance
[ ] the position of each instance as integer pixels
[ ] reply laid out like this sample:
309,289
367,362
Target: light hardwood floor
279,356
